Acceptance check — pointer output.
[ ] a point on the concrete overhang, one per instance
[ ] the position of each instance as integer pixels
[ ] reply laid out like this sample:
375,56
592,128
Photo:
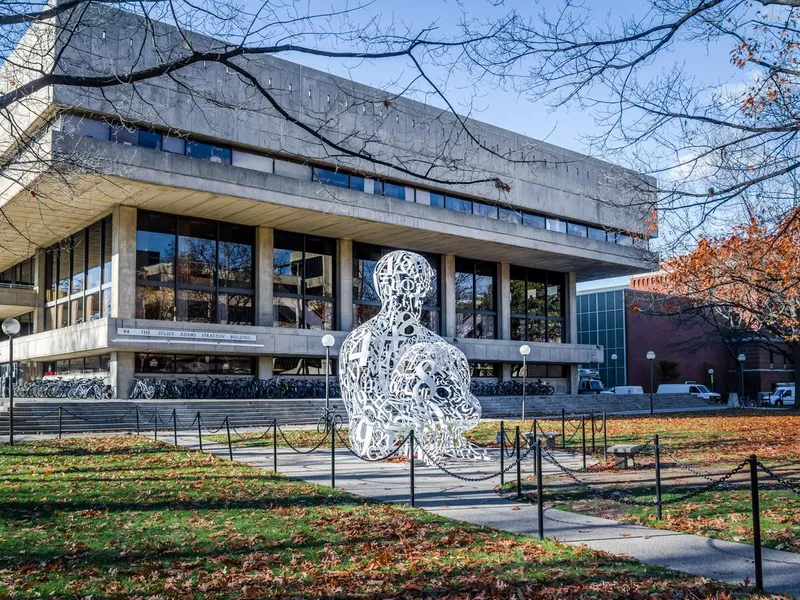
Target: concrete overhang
155,180
138,335
16,300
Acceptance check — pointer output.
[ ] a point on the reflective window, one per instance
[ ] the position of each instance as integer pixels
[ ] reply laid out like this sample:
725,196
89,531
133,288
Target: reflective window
556,225
366,302
480,369
94,252
536,221
509,215
107,252
456,204
155,246
596,233
576,230
476,289
194,364
78,263
197,251
209,152
301,366
484,210
437,200
303,281
537,305
236,243
390,190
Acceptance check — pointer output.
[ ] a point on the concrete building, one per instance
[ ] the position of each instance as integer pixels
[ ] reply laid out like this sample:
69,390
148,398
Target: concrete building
200,239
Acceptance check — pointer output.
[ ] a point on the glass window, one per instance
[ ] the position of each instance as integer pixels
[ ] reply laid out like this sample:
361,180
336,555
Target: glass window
26,272
476,287
209,152
595,233
155,247
149,139
62,367
91,364
303,281
234,365
51,274
510,215
557,225
537,300
357,183
236,309
157,303
390,190
62,315
196,306
93,307
107,252
330,177
64,256
456,204
94,248
532,220
197,251
174,145
155,363
123,134
76,311
484,369
194,365
107,295
85,127
576,230
624,239
437,200
236,244
484,210
78,263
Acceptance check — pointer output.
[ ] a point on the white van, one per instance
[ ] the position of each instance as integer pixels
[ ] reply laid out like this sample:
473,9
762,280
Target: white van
696,389
630,390
782,396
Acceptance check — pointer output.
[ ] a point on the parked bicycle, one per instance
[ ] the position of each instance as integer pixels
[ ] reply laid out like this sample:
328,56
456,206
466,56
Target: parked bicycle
86,388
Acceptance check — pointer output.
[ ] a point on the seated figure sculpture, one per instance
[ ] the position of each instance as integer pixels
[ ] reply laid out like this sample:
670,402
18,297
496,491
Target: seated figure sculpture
397,376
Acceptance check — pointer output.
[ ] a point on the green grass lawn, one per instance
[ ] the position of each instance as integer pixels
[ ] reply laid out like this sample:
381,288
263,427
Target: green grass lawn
129,517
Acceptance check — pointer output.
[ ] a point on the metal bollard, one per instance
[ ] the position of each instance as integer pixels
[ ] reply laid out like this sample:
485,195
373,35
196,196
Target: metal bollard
519,465
502,453
756,523
228,431
411,464
534,440
605,439
175,426
563,430
155,424
200,430
137,419
539,490
657,452
593,446
275,446
60,414
333,454
583,440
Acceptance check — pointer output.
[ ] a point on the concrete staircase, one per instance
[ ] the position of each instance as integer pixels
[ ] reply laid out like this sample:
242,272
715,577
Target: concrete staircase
42,416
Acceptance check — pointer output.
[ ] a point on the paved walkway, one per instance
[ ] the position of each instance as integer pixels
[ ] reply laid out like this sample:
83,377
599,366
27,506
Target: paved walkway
477,503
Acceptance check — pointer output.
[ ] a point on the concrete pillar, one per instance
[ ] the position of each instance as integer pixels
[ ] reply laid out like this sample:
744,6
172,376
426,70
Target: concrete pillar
572,308
505,372
265,367
123,263
39,278
504,302
344,270
263,262
573,379
449,296
121,369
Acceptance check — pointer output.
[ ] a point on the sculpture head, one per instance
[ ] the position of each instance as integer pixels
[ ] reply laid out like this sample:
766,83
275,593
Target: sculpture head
403,279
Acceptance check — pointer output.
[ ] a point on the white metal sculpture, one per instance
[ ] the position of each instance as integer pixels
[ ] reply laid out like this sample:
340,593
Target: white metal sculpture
397,376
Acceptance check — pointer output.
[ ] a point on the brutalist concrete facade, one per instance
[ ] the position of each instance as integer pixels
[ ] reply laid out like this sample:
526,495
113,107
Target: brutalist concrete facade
268,185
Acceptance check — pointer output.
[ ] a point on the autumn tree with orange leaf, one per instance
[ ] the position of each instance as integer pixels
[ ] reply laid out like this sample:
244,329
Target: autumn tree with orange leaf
749,281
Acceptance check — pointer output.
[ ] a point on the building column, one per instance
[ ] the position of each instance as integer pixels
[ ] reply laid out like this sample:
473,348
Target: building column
574,380
572,327
504,302
123,263
39,279
344,270
449,296
264,266
505,372
265,367
121,369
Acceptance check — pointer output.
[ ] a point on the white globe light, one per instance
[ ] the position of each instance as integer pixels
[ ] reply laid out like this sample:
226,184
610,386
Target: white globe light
742,358
711,371
524,349
650,355
11,326
328,340
613,357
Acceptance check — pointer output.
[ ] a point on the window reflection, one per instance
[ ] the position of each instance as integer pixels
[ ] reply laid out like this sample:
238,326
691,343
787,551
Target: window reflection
476,288
537,305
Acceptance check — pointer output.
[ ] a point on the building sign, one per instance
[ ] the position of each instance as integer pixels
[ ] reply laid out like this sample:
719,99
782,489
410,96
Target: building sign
204,336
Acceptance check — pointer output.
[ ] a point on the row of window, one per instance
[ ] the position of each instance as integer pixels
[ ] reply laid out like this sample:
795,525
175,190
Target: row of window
20,274
195,270
78,277
225,154
192,364
77,366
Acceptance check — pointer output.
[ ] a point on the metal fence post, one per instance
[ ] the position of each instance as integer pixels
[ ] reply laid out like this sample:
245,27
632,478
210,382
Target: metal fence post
563,430
411,464
137,419
200,430
60,414
539,490
502,453
155,424
756,522
657,452
593,446
532,441
175,426
519,466
228,431
275,446
583,440
605,439
333,454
